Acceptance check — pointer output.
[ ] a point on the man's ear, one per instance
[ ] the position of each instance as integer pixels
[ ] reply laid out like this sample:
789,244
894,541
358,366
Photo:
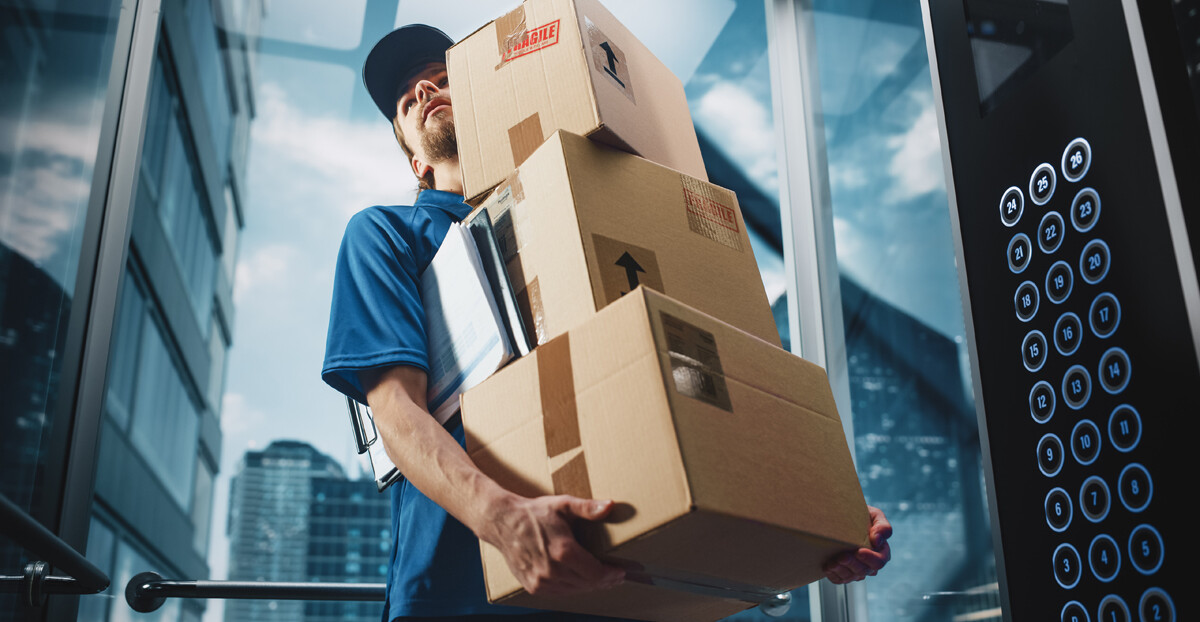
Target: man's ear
420,168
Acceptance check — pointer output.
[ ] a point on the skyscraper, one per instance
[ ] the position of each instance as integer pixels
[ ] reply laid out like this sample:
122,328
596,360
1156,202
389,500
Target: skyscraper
294,516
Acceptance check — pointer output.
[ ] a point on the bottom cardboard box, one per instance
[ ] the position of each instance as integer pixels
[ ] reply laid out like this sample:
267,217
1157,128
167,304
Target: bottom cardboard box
724,453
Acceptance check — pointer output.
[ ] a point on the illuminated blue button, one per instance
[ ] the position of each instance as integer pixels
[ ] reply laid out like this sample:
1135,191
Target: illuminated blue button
1146,549
1068,333
1020,250
1094,261
1074,612
1114,370
1012,205
1156,606
1085,442
1135,488
1094,499
1066,566
1041,401
1050,232
1034,350
1104,556
1104,315
1114,609
1050,455
1042,183
1058,509
1059,282
1076,386
1076,159
1085,210
1026,301
1124,428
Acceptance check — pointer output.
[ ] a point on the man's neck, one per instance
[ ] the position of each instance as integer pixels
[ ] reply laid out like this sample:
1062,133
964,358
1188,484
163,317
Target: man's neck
447,176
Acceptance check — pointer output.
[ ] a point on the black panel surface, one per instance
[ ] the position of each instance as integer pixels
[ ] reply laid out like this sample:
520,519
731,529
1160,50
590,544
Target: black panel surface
1089,90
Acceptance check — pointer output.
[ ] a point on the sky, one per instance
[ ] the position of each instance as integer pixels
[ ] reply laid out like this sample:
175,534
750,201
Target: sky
316,158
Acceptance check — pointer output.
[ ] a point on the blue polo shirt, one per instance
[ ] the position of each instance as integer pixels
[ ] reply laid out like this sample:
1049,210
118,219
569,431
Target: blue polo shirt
377,321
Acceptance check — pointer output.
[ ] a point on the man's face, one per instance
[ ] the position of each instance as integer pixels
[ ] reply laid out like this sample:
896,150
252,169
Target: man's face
425,117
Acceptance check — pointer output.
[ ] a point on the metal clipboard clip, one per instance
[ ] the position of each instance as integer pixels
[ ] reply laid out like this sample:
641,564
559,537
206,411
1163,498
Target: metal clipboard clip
366,441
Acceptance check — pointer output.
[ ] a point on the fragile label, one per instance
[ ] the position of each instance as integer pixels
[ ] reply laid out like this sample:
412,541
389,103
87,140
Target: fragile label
525,42
695,363
609,59
623,267
711,213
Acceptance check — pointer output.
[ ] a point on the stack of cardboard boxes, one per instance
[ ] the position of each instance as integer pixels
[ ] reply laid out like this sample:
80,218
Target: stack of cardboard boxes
658,380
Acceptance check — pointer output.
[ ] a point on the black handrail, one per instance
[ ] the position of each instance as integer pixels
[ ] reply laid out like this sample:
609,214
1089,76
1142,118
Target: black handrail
83,576
148,591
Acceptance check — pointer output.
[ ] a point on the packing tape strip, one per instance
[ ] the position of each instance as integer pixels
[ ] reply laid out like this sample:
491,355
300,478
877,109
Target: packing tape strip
525,137
510,29
560,418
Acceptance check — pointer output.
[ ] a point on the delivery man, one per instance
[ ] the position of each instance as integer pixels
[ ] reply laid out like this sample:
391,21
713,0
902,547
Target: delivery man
376,354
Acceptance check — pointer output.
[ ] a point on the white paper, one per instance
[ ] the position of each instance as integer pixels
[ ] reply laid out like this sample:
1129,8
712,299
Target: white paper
467,340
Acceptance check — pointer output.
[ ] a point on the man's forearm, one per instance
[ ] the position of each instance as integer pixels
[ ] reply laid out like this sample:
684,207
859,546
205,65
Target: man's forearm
429,457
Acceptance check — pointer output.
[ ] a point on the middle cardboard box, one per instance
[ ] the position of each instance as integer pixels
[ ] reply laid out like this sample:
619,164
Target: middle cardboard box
580,224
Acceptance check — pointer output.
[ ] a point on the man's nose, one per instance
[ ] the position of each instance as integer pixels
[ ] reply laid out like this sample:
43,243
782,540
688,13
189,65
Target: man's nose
425,90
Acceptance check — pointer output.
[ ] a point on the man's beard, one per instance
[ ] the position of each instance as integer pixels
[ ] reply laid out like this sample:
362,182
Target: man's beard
439,142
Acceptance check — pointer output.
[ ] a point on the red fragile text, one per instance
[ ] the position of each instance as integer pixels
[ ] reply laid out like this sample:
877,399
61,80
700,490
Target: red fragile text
531,41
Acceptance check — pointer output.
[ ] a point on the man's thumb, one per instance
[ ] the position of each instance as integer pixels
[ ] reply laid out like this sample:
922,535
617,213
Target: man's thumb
591,509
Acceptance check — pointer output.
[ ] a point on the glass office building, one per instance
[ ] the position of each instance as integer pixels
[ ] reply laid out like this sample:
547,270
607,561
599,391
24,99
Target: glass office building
162,159
294,516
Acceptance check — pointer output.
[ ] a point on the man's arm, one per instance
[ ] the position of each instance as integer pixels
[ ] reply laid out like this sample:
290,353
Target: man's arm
533,534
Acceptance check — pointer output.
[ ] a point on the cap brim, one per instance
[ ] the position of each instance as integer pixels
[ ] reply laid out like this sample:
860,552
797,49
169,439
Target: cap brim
396,57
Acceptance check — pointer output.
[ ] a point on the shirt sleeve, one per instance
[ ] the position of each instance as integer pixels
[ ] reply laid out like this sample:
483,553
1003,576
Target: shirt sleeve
376,319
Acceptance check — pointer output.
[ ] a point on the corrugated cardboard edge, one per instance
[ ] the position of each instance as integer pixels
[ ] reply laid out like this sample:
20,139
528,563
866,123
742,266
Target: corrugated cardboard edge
583,53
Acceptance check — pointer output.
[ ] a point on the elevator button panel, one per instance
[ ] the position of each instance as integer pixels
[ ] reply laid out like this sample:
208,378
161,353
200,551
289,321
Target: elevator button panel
1096,491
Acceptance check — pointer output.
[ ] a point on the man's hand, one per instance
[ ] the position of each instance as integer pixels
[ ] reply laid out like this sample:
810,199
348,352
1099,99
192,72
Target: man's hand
536,539
858,565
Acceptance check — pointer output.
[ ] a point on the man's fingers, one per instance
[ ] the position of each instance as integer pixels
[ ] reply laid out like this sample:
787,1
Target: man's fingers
881,528
589,509
584,566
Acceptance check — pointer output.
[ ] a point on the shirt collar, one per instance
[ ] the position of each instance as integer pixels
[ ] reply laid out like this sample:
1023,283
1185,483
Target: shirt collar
449,202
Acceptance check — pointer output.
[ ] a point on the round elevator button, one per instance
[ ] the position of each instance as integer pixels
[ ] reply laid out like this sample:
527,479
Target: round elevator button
1085,210
1135,488
1124,428
1034,350
1104,556
1094,499
1012,205
1076,159
1058,509
1041,184
1050,232
1076,386
1050,455
1104,315
1085,442
1068,332
1066,566
1019,252
1146,549
1041,401
1156,606
1094,261
1114,370
1114,609
1059,282
1026,301
1074,612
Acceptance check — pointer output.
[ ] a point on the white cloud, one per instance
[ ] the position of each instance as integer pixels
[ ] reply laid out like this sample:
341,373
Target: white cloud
325,161
916,165
746,130
267,265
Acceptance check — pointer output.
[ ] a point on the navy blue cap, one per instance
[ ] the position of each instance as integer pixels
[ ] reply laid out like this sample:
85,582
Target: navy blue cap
397,57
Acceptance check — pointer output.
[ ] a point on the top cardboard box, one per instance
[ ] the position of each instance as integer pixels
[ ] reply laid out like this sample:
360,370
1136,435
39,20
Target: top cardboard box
563,64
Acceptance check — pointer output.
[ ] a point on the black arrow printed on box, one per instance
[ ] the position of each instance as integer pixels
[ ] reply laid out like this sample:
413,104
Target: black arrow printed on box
631,269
